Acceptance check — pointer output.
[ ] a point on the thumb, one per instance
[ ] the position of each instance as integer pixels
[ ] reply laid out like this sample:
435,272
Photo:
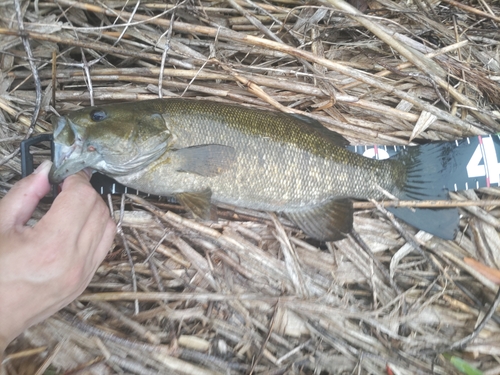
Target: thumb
19,203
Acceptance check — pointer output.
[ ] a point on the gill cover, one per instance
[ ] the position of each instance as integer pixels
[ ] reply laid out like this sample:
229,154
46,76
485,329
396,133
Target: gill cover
112,139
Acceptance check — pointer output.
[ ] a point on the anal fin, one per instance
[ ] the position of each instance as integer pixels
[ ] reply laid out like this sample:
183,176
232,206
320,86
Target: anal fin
198,203
330,221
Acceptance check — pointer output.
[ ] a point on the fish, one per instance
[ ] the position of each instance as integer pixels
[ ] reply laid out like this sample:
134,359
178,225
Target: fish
206,152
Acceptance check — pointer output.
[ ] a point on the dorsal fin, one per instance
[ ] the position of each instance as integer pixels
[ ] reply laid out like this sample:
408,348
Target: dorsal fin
333,136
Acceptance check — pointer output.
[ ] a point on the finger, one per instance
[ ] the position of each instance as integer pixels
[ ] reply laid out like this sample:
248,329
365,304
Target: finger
93,230
72,207
18,205
98,252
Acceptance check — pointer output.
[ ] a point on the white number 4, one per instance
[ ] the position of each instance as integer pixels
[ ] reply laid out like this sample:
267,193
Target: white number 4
490,168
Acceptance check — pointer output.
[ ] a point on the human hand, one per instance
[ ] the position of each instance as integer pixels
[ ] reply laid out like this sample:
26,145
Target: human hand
45,267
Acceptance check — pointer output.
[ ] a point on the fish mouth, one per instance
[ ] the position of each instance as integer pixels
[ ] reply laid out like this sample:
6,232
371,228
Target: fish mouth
69,154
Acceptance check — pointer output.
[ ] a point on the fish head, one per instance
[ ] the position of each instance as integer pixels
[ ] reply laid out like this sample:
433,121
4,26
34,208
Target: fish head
115,140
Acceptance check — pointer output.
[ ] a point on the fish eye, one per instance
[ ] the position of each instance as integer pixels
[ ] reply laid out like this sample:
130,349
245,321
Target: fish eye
98,115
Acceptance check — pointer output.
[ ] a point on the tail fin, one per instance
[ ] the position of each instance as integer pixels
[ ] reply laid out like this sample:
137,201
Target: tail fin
429,168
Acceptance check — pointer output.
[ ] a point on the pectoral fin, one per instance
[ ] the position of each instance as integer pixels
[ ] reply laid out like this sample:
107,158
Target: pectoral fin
206,160
330,221
197,203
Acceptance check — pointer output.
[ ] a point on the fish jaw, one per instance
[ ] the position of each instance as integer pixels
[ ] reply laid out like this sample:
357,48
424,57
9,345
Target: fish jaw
73,164
69,154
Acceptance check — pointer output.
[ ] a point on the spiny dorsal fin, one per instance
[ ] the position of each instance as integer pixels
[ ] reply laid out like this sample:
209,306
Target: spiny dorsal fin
333,136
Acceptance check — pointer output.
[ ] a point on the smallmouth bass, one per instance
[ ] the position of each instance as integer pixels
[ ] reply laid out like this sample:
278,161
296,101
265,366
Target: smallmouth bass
203,152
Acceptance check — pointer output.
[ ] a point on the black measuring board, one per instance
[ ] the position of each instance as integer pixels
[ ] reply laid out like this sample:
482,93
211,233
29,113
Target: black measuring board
477,163
377,151
471,163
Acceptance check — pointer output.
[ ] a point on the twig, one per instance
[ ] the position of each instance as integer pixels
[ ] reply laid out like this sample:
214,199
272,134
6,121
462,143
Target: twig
356,237
34,70
119,230
54,79
254,21
291,259
98,46
131,324
428,204
462,344
472,10
88,77
149,254
211,360
174,296
263,345
419,75
165,53
409,238
50,358
473,299
89,329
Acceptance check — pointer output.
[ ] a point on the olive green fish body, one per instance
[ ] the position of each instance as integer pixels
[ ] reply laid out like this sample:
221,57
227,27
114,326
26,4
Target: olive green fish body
282,163
203,151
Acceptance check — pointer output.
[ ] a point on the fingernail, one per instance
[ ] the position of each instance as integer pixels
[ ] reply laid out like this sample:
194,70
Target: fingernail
43,168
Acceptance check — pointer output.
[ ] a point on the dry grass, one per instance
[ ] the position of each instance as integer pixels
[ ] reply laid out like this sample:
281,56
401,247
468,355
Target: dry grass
249,294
